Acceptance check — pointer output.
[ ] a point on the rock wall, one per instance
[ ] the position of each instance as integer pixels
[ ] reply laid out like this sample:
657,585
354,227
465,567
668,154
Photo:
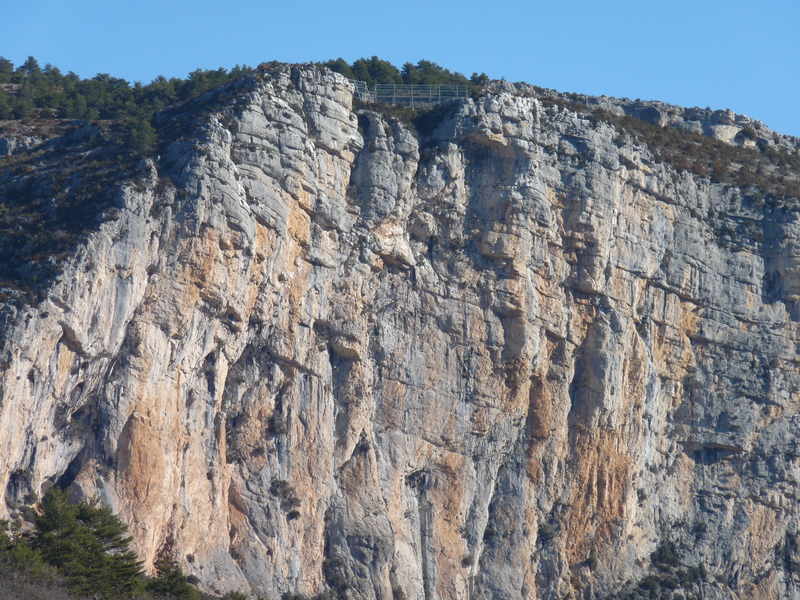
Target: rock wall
510,357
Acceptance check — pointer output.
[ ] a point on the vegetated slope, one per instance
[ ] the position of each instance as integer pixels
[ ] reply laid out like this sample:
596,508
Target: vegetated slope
67,146
529,346
52,199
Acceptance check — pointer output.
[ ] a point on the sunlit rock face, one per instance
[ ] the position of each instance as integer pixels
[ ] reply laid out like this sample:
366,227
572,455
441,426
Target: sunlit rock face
509,356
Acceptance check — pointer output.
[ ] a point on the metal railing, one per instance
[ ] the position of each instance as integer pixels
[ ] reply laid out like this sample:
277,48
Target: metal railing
418,95
361,90
412,95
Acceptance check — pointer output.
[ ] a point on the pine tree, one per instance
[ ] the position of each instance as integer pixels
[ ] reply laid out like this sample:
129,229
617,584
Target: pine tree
375,70
5,106
6,70
340,65
140,136
30,68
86,542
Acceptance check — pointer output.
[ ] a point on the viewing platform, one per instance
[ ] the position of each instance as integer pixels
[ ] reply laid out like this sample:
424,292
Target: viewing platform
412,95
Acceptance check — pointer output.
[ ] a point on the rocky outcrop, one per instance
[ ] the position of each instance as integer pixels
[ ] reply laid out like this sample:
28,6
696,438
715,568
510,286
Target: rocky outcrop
724,125
512,357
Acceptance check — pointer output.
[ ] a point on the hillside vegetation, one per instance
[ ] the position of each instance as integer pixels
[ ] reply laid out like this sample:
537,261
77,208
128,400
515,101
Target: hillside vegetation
374,70
45,92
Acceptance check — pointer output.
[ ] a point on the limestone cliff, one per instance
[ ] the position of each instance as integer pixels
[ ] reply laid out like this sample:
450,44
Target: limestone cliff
514,355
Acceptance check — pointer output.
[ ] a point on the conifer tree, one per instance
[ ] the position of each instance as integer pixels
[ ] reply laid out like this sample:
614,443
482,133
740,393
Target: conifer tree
6,70
86,542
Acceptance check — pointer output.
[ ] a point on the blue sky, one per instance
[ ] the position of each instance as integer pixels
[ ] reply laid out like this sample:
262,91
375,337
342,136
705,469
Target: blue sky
724,54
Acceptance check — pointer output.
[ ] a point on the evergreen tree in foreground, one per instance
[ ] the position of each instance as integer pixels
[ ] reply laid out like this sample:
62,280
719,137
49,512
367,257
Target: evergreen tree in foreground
86,542
81,550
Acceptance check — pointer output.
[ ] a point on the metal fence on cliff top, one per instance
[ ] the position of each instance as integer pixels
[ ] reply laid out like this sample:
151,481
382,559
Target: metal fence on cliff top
412,95
361,90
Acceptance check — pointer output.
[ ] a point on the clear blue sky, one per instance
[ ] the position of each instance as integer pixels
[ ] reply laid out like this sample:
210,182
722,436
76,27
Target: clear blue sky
720,53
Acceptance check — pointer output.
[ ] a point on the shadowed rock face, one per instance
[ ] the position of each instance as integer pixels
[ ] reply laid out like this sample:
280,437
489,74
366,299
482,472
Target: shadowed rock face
314,354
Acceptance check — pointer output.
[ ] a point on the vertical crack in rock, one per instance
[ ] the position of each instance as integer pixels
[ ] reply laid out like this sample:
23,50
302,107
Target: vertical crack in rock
419,482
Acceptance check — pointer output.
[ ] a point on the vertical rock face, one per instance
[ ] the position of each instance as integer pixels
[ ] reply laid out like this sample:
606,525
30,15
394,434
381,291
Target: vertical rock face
510,358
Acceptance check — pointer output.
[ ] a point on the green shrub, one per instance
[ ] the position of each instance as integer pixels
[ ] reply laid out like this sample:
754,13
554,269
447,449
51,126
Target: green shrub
287,495
22,562
170,582
665,555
